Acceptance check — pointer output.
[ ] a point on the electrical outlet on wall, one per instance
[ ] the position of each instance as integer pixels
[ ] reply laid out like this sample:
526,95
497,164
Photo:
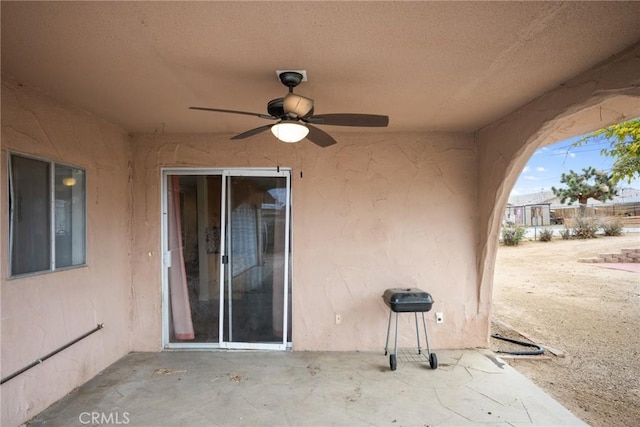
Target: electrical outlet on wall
338,319
439,317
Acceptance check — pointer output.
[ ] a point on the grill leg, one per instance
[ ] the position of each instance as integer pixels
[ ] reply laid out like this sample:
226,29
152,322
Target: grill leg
386,343
426,336
415,314
395,350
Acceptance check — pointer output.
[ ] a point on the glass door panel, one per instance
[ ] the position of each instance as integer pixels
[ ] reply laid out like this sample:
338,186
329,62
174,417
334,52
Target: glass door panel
193,229
255,275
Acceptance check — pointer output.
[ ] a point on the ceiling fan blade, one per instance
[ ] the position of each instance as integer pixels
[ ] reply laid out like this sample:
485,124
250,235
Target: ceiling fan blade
362,120
320,137
251,132
246,113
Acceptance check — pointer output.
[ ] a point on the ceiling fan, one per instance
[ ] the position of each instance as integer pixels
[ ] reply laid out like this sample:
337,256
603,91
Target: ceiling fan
295,118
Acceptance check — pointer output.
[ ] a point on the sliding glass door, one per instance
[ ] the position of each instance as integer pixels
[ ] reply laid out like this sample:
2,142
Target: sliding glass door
226,264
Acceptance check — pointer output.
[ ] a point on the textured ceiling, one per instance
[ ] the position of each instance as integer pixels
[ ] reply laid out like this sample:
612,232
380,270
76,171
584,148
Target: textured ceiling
428,65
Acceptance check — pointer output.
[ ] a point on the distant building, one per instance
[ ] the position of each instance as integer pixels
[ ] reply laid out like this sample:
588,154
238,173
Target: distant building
544,208
529,215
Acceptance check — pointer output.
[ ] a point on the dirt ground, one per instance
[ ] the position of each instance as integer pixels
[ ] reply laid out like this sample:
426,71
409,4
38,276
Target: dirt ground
590,313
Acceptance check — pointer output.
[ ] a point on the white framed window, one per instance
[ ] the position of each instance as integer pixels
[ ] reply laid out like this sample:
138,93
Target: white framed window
47,215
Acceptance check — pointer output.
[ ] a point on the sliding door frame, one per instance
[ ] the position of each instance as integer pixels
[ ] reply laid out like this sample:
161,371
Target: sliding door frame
224,173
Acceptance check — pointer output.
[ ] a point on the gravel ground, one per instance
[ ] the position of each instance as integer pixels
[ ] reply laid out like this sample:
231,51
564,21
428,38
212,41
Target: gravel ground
590,313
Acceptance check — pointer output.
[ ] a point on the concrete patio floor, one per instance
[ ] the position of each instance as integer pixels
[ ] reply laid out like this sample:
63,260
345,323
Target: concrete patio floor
204,388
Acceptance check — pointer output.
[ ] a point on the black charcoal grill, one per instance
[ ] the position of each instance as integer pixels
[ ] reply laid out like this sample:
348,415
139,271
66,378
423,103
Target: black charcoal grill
408,300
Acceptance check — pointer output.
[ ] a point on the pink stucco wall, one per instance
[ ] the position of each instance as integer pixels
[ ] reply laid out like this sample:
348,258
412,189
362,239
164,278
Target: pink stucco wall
378,210
43,312
373,212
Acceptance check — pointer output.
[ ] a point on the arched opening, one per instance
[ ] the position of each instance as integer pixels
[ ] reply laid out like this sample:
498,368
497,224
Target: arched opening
606,94
587,103
594,114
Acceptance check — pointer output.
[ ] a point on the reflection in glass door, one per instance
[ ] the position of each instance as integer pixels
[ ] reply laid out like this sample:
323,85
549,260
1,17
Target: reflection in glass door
255,266
226,246
193,233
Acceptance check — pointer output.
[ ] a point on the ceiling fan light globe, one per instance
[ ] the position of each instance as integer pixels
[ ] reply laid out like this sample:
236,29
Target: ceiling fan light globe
297,106
289,131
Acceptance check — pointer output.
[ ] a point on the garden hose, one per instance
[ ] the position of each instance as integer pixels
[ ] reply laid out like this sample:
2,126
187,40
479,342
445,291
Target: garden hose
538,348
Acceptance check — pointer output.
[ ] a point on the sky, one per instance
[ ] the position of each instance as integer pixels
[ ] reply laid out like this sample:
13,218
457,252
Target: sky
547,164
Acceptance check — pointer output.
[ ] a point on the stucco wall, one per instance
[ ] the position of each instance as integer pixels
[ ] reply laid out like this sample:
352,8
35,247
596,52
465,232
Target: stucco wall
378,210
606,94
373,212
43,312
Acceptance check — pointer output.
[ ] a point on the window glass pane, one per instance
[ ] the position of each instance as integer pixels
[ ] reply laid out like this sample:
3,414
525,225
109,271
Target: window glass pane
30,213
69,217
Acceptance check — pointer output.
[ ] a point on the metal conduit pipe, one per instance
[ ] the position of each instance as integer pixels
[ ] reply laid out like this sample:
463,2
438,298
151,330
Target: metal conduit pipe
53,353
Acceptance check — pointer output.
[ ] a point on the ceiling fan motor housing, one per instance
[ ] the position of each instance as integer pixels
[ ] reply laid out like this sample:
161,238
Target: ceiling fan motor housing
297,106
275,107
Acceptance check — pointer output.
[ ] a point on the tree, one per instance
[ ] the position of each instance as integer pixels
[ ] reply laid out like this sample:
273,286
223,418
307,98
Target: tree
591,183
624,147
